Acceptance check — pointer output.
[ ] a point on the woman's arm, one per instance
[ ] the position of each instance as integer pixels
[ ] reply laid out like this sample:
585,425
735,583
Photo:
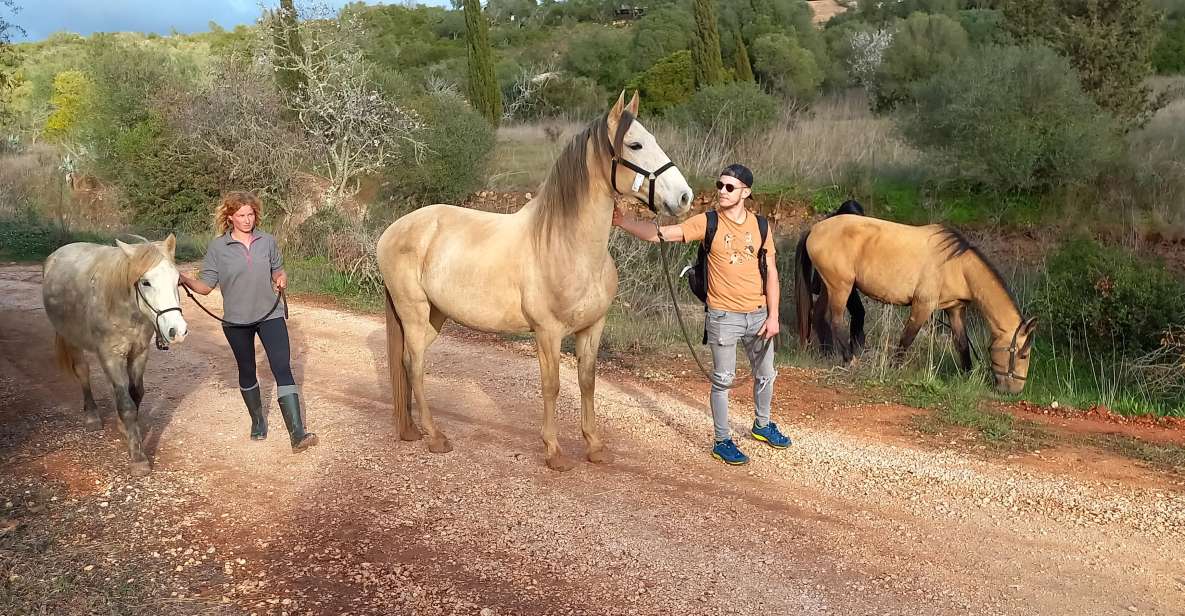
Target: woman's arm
195,285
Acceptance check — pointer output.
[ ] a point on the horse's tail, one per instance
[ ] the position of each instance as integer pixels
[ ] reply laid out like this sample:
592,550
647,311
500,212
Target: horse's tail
64,354
399,386
803,273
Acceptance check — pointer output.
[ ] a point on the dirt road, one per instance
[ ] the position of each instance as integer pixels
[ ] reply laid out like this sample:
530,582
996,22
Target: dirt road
841,523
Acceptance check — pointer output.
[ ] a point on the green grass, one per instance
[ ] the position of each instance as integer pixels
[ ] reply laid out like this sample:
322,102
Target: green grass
959,402
317,276
1082,379
23,239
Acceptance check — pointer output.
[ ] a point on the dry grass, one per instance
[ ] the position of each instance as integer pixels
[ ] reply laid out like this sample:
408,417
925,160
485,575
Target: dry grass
806,147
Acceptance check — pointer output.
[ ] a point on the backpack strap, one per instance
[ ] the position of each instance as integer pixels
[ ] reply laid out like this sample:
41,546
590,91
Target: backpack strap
713,220
710,232
763,225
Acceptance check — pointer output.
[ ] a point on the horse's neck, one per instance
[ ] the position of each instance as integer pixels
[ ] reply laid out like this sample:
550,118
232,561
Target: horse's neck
993,299
585,237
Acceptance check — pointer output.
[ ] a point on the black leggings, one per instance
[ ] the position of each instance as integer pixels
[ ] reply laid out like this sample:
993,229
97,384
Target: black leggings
273,333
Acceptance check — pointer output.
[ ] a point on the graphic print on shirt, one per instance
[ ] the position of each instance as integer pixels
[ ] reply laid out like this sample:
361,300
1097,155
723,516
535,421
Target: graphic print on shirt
735,256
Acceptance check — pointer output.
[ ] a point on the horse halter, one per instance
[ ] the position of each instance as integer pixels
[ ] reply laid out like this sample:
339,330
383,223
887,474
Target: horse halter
1013,353
623,125
161,340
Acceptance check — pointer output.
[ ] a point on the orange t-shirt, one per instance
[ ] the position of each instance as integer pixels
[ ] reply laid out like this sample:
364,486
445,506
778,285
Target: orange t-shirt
734,282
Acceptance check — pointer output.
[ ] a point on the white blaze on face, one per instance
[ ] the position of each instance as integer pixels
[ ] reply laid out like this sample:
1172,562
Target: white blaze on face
159,287
671,190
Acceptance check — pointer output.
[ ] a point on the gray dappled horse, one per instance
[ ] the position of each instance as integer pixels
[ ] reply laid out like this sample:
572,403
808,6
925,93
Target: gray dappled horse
110,300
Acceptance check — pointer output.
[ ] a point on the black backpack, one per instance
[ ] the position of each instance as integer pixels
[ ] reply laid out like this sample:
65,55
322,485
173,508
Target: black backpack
697,277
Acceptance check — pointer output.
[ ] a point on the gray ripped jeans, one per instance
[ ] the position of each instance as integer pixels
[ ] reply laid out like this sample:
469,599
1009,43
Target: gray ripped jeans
724,330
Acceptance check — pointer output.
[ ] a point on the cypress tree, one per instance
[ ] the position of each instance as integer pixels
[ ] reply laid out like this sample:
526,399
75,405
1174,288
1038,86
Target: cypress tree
705,48
744,69
483,87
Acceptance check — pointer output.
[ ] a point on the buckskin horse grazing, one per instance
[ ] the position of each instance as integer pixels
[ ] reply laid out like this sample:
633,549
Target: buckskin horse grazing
927,268
111,300
544,269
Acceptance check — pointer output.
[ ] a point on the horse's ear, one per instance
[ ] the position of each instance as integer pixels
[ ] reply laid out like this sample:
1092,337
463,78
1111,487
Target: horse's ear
171,246
1029,328
127,249
615,112
633,106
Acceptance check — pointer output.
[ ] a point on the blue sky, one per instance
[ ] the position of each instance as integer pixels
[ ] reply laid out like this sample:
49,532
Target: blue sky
40,18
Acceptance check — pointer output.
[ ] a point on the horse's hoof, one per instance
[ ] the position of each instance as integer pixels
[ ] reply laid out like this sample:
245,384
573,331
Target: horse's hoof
440,445
410,434
92,423
599,456
561,463
140,469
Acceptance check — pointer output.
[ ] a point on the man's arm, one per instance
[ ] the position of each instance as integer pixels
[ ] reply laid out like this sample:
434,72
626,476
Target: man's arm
773,292
645,230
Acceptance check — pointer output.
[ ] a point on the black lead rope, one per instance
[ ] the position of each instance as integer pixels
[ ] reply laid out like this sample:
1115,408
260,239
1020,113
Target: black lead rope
253,323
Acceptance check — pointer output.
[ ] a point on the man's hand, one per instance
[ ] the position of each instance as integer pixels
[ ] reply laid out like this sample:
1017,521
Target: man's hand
770,328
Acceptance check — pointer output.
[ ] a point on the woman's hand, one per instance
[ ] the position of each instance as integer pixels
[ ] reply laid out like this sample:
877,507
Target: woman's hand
618,216
279,281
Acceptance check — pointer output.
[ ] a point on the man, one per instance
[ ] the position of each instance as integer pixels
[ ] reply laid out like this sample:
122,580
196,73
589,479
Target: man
740,307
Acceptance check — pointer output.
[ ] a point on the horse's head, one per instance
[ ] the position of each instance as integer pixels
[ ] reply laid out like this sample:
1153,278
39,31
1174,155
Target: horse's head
639,163
1010,357
155,286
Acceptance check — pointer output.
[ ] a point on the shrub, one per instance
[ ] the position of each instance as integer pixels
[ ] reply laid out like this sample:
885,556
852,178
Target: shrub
984,27
662,32
1106,296
1169,54
668,83
1011,118
786,67
922,46
736,109
459,142
602,55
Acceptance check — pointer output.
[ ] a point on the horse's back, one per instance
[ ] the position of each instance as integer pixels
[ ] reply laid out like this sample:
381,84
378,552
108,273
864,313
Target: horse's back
465,262
888,261
66,292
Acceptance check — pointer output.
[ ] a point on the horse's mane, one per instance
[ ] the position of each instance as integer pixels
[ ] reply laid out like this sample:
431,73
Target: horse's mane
566,186
956,245
117,272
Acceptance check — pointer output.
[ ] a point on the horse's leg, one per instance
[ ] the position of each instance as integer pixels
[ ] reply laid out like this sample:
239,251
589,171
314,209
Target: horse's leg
116,368
547,343
919,313
418,334
856,312
136,366
821,324
587,342
91,419
837,296
958,333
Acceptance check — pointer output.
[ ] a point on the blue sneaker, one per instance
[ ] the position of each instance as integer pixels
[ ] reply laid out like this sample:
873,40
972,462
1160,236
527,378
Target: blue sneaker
771,436
727,452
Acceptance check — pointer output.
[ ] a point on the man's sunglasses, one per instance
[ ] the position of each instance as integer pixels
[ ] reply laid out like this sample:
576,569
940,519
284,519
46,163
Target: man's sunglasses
727,187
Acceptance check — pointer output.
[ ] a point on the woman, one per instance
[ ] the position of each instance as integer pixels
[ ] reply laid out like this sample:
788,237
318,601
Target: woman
246,262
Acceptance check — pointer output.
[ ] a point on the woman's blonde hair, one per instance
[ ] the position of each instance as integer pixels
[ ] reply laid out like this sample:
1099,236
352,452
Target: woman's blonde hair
229,204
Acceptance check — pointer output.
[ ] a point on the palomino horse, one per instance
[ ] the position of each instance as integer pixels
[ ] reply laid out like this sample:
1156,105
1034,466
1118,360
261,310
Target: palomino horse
111,300
855,306
927,268
544,269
